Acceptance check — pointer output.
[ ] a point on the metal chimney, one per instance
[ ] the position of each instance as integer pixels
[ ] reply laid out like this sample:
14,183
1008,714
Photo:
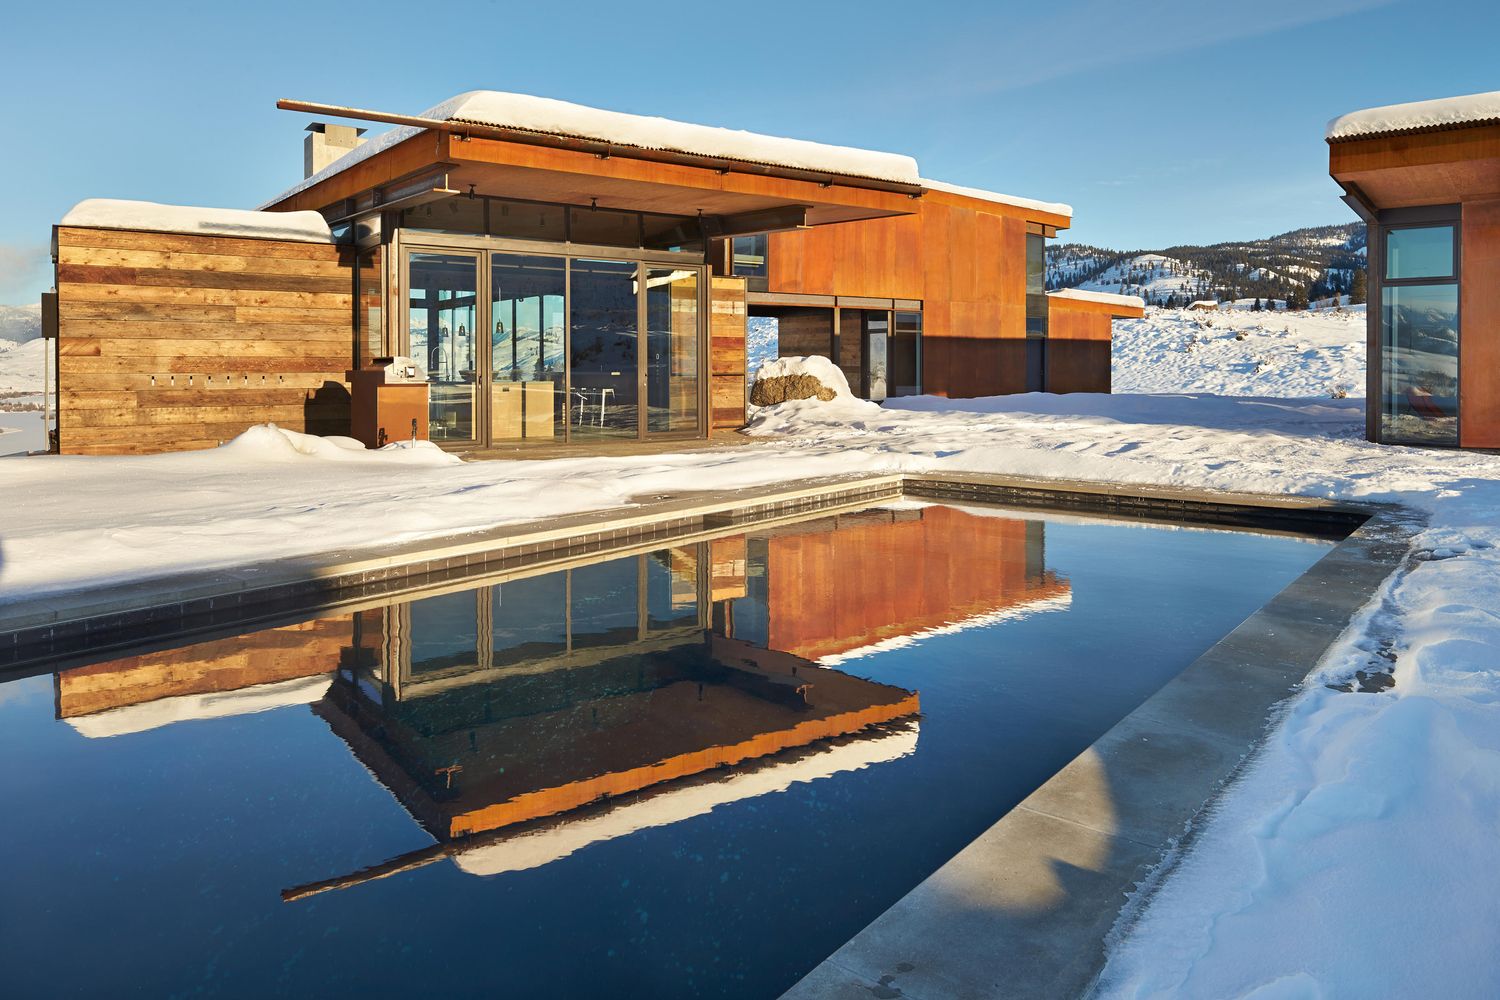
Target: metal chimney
326,143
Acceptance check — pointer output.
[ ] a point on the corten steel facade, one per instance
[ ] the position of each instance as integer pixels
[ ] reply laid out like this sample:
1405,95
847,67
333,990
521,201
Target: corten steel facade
1430,195
555,291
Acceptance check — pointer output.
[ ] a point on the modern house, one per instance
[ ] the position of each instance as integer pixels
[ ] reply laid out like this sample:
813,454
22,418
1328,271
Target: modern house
561,275
1425,177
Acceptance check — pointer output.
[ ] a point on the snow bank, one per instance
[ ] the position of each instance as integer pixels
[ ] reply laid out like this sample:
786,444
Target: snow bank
267,442
1447,111
110,213
554,117
1050,207
1105,298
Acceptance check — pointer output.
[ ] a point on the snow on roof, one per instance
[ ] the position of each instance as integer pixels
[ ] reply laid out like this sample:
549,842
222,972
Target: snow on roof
553,117
1443,113
110,213
1107,298
1051,207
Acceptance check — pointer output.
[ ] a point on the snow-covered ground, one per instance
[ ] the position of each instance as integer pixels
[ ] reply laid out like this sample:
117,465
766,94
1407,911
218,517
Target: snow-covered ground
1239,352
1358,855
21,386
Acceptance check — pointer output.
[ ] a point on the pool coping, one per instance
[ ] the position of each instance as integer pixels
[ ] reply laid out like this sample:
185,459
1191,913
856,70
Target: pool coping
1029,907
49,626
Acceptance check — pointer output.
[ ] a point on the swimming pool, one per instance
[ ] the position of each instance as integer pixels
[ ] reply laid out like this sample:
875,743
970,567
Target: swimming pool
693,772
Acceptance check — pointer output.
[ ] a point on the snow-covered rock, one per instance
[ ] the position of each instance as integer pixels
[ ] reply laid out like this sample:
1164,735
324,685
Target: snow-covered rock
790,379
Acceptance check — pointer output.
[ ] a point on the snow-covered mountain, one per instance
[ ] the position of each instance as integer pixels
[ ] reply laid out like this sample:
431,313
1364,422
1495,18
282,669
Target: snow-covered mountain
1296,267
21,323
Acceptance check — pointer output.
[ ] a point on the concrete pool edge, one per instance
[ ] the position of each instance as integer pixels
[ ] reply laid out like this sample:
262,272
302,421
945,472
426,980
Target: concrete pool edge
1027,908
50,625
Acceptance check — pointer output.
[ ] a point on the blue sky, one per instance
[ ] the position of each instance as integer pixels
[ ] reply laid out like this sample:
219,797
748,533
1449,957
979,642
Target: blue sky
1160,121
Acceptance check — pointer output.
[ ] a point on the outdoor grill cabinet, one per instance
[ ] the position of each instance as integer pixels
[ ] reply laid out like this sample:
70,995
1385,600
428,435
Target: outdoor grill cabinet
389,402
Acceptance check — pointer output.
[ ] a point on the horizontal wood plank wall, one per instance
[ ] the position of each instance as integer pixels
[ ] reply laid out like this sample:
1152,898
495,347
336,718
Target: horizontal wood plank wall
726,332
964,259
169,342
1479,321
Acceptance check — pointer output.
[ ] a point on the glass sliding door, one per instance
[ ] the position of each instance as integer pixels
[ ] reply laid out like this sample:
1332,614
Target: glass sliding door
442,324
527,371
672,352
877,355
1419,335
906,354
603,331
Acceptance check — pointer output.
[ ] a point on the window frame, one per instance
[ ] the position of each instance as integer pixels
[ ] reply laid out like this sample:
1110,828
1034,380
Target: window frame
1387,222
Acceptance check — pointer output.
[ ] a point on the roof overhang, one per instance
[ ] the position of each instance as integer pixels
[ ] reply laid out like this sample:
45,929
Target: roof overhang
535,166
1440,165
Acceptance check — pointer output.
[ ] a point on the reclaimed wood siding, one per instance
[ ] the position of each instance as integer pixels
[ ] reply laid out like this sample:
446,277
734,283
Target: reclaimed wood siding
174,342
726,332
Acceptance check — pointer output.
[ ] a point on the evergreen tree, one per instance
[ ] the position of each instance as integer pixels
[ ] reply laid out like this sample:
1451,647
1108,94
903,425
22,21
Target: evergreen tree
1357,288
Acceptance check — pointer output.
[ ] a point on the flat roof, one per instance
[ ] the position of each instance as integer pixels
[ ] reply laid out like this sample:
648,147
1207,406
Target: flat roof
1417,116
547,116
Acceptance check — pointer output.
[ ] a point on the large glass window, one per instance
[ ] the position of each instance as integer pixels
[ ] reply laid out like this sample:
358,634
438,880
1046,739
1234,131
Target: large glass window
368,315
442,324
527,220
606,607
1419,252
672,588
906,354
877,355
444,632
671,349
749,256
1419,328
450,215
671,232
1036,285
1419,335
527,371
604,227
529,618
603,336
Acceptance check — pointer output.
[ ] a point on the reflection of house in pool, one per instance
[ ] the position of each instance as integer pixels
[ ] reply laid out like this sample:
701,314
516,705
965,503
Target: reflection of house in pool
636,681
648,689
825,589
488,709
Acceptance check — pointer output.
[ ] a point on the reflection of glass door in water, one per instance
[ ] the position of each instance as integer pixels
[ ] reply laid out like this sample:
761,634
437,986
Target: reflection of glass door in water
604,326
443,331
527,367
671,350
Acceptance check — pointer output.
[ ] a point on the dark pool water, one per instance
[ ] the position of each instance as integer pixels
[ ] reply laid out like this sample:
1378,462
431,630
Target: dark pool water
626,779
